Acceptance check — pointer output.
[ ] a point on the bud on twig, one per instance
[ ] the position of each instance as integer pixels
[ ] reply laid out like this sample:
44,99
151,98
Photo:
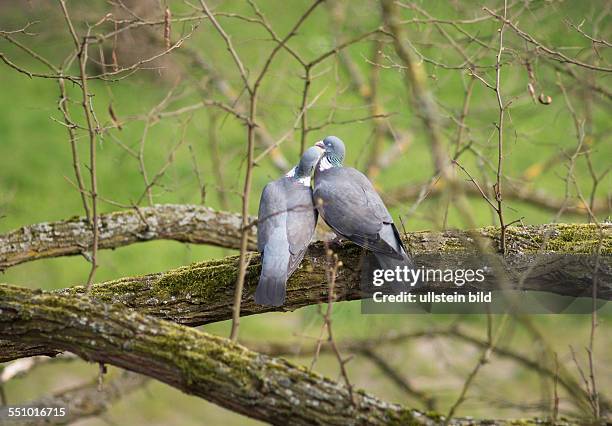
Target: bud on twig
544,99
167,17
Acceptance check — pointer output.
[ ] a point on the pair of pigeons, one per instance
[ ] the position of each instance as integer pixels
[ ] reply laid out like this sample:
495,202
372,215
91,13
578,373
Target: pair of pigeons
345,199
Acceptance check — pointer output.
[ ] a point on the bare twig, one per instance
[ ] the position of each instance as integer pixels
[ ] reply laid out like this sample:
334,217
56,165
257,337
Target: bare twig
251,125
500,135
331,271
555,54
92,131
484,359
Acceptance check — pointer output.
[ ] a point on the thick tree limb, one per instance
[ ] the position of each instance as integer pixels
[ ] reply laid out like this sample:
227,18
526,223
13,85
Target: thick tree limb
202,293
365,346
197,363
184,223
211,367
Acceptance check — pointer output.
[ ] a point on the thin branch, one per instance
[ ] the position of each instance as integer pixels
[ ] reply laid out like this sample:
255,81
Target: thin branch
82,57
88,400
553,53
500,134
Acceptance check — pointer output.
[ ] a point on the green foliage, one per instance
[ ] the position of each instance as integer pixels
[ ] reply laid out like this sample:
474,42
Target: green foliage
36,164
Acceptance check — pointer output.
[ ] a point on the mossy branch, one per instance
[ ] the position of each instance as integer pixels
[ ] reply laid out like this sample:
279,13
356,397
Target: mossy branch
202,293
255,385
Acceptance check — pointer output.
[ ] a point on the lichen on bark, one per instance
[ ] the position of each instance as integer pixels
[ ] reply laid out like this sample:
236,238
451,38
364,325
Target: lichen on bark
269,389
259,386
202,292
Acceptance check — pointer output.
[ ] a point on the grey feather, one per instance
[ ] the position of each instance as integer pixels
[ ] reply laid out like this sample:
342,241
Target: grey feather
350,205
286,224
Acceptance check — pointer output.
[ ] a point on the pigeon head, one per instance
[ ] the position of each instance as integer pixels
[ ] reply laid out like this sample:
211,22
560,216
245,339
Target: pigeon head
309,160
334,149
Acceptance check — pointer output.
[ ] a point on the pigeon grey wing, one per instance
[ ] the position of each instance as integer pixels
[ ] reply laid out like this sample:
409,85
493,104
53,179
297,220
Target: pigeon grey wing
388,232
352,208
375,203
301,223
391,236
272,202
344,204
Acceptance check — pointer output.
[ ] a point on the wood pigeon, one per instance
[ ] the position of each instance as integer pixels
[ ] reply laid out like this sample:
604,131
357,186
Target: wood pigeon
286,223
350,205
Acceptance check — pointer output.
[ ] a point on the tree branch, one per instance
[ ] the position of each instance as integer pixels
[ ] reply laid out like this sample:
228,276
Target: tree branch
197,363
554,54
184,223
188,224
207,366
202,293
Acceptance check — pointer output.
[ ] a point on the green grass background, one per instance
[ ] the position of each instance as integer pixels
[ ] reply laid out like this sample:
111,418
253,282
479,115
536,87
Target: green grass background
35,165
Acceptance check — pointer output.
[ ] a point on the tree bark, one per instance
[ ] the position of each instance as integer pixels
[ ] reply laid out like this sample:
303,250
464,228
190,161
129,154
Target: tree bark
184,223
202,293
269,389
179,222
364,346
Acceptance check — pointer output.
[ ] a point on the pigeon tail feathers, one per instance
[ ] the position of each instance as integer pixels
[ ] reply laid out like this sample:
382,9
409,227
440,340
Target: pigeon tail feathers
270,291
273,279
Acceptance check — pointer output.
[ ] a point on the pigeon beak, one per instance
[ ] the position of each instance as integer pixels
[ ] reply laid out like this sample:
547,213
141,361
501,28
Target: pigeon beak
320,145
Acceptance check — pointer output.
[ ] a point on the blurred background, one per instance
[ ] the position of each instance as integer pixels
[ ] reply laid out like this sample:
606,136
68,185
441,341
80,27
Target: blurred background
154,66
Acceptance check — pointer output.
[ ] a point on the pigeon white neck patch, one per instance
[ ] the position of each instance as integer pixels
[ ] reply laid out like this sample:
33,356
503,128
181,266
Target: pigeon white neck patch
324,164
304,181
